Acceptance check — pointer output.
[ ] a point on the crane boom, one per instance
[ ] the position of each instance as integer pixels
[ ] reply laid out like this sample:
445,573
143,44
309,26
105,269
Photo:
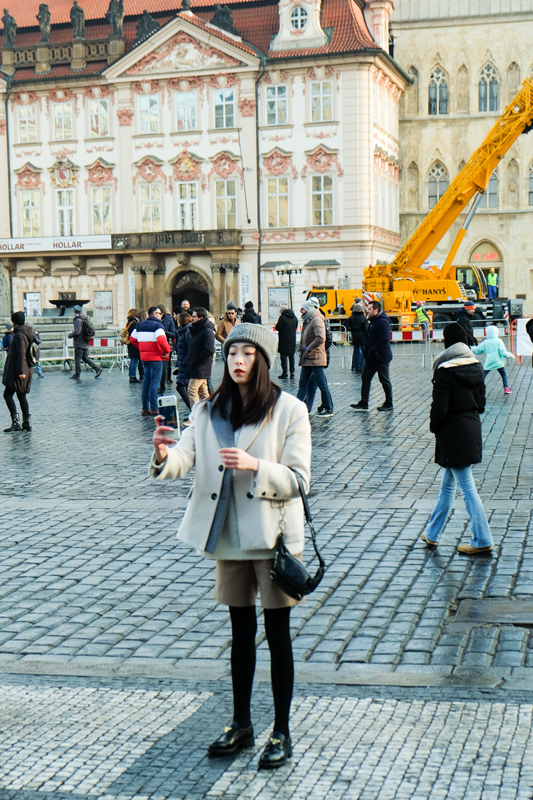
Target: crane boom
473,178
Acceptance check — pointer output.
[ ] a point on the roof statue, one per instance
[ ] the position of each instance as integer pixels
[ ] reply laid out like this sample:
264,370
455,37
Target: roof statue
115,16
10,29
145,26
222,19
44,18
185,5
77,18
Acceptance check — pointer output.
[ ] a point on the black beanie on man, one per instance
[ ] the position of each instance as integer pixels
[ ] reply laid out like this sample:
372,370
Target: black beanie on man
18,318
453,334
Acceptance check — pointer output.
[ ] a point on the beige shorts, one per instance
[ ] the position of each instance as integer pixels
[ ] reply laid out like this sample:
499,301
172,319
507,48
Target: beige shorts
237,583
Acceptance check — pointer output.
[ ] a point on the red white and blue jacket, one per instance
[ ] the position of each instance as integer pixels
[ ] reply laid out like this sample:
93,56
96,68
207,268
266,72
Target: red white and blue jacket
151,340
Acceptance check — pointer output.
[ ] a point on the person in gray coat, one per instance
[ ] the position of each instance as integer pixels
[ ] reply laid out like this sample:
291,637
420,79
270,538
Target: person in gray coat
81,345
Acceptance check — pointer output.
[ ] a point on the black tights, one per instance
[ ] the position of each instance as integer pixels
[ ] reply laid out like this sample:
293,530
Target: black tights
10,403
277,628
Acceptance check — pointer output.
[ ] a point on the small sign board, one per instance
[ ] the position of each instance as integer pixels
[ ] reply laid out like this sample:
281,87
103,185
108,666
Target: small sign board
277,299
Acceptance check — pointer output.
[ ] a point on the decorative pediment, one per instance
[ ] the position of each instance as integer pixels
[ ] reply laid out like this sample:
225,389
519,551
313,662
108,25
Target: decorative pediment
29,177
186,166
183,53
64,173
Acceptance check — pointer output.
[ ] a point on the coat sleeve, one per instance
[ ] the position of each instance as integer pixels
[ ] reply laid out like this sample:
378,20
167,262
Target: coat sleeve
440,404
319,332
162,342
133,338
479,348
220,331
180,459
275,481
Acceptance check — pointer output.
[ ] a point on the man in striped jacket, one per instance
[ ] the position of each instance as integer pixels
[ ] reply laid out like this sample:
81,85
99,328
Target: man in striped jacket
151,340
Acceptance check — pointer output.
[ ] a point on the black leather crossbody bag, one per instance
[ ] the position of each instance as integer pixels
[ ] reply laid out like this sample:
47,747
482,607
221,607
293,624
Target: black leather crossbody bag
289,573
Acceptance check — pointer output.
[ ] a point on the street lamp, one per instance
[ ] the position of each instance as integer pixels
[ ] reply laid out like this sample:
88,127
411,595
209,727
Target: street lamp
289,272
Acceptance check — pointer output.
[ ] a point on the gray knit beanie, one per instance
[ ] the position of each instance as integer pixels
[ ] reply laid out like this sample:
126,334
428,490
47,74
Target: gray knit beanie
260,337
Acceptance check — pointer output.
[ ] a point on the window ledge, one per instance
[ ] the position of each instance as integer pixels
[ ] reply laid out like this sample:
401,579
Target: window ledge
148,136
327,123
102,139
192,132
20,145
54,142
287,125
222,130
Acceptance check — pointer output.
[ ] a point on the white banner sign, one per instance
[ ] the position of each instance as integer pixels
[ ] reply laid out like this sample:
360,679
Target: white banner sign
53,243
103,307
277,299
524,345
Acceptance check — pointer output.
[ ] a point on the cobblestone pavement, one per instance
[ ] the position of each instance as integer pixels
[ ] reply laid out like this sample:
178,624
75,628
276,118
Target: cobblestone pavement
94,583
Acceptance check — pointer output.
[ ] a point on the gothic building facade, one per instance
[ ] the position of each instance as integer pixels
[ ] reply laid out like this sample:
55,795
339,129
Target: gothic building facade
196,151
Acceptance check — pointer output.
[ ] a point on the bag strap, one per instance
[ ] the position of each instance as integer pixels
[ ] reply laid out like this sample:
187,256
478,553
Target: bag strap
308,517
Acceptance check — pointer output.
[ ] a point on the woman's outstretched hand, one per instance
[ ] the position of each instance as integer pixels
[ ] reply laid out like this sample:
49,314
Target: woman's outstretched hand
235,458
160,440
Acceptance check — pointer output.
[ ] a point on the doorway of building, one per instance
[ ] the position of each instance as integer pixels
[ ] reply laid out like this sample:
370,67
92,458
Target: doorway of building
190,286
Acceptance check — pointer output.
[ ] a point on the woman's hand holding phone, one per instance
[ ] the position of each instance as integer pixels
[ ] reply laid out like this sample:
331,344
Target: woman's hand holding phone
161,441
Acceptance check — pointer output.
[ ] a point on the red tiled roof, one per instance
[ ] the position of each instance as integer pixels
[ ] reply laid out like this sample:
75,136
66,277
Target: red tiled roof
61,71
200,23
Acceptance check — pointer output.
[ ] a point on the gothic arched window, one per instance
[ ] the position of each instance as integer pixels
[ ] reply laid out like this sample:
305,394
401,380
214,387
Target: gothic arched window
488,89
438,183
438,92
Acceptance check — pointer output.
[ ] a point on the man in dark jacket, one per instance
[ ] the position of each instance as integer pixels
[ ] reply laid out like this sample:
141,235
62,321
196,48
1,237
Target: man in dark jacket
17,373
170,331
250,314
356,324
464,318
458,401
200,356
81,345
378,354
286,328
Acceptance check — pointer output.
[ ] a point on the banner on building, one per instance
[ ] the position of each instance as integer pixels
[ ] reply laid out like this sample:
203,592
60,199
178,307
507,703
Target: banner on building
60,244
245,287
103,307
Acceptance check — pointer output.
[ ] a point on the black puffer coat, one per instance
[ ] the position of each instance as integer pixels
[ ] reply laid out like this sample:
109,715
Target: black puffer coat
16,363
357,325
182,349
201,348
286,328
458,400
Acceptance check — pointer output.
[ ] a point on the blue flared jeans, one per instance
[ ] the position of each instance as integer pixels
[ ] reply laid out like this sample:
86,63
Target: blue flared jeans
451,476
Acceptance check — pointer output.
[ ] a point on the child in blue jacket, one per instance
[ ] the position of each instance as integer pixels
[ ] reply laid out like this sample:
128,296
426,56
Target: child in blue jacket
495,355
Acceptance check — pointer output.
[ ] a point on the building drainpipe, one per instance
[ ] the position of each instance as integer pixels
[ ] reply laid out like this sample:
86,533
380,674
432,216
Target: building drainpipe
258,168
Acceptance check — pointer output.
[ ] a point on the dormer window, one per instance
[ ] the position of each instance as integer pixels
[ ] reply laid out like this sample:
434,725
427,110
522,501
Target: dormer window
298,18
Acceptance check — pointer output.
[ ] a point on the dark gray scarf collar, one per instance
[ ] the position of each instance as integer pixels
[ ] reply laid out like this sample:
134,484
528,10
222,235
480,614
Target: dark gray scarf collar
457,352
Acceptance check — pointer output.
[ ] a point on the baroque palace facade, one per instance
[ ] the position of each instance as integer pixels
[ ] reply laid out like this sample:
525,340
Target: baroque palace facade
195,151
466,62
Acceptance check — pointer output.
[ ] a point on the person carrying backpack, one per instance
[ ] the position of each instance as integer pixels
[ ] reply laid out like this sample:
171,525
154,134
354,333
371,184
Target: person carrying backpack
81,334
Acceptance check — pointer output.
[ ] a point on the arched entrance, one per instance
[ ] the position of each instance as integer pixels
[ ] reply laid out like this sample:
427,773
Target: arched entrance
486,255
190,286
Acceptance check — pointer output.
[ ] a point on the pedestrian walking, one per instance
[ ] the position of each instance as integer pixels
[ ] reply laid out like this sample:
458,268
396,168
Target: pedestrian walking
150,339
132,321
311,386
458,400
200,356
17,373
182,352
495,355
244,444
286,328
378,355
464,318
250,314
170,331
357,324
227,323
81,337
35,350
313,357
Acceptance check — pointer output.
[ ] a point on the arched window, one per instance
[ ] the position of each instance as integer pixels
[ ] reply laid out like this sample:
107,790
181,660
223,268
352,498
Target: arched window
438,183
488,89
438,92
490,198
530,192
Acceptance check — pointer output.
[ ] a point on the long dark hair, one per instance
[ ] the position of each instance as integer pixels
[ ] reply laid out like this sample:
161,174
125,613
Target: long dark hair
261,398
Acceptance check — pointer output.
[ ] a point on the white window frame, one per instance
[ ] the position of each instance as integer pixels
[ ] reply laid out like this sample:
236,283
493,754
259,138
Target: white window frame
148,108
439,176
319,193
61,113
151,202
275,194
98,202
187,205
34,205
277,105
321,94
26,116
186,118
224,107
223,198
299,17
66,216
99,113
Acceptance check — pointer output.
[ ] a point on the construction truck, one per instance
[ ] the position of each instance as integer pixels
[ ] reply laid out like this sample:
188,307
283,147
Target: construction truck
412,275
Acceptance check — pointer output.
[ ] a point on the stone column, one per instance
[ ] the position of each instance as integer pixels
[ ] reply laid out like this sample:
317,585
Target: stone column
149,271
136,269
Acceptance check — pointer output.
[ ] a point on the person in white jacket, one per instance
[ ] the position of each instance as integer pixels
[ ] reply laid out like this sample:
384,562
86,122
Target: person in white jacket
495,355
244,442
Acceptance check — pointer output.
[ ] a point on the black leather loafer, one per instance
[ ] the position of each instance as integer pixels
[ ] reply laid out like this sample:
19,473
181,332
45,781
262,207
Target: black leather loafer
277,751
234,738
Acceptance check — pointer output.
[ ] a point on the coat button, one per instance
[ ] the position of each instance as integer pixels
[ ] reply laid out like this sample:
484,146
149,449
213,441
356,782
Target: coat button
249,494
214,496
263,494
274,495
221,468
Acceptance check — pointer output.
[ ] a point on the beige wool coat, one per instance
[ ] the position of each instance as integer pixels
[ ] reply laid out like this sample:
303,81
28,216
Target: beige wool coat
280,442
313,337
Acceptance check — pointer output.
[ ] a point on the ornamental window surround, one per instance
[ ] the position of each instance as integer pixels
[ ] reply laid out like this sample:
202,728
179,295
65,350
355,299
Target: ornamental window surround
278,202
148,107
62,121
99,118
298,18
437,93
27,124
30,203
438,183
321,101
101,210
488,89
150,195
276,105
226,204
224,103
186,111
322,200
65,212
187,205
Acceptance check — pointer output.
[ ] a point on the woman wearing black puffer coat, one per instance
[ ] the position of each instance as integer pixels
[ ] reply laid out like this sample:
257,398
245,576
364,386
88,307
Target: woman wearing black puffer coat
286,328
458,400
182,352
